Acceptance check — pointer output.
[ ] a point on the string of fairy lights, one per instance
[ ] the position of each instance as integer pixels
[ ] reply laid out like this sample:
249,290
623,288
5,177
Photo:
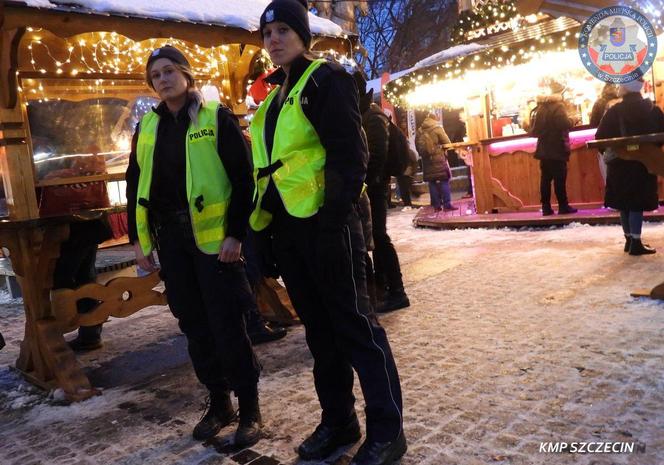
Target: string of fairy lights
119,57
489,16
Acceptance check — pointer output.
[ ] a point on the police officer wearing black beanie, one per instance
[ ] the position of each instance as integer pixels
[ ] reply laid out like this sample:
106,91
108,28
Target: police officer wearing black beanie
310,161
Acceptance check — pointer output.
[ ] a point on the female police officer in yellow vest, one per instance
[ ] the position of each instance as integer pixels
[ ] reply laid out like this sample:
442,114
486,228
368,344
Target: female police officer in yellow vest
189,197
309,164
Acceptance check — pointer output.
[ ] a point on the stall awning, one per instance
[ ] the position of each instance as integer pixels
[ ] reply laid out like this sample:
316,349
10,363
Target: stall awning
525,35
583,9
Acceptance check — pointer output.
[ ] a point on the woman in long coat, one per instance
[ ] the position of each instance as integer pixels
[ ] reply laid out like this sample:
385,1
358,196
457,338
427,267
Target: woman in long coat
630,188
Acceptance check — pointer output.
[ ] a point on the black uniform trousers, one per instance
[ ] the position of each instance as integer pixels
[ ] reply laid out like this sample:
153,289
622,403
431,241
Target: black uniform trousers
209,299
556,171
386,262
324,273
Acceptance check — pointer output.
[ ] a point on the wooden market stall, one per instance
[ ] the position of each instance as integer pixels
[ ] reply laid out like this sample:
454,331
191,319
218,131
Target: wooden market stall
501,62
71,91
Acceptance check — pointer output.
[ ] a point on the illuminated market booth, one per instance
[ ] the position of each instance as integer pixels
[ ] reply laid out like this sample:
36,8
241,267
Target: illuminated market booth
72,90
501,62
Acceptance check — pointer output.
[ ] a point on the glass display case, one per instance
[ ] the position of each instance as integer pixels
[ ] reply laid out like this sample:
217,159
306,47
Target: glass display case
81,131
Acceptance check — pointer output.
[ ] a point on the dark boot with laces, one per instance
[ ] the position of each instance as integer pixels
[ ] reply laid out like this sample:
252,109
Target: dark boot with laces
380,453
628,243
326,439
249,428
217,413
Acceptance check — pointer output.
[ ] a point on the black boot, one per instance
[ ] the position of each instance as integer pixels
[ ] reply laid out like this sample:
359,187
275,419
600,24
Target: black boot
264,333
89,338
628,243
326,439
394,301
380,453
638,248
218,412
249,429
566,209
546,209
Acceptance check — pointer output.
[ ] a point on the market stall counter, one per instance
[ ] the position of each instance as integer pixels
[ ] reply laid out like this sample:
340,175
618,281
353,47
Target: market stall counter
507,177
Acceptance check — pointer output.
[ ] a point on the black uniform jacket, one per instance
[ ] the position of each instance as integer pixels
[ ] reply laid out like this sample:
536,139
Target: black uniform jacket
330,102
168,192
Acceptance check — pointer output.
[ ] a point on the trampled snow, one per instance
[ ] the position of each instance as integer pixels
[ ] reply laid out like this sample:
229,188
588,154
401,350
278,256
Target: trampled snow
513,337
244,14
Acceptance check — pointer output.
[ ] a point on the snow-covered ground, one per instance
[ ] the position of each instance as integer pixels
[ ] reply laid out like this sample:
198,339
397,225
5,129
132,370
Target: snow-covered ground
512,338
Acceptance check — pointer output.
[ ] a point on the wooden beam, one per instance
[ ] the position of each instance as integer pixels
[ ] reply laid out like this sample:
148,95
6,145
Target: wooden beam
16,165
9,41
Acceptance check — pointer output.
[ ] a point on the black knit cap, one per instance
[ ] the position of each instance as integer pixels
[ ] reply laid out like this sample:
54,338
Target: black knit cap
292,12
170,52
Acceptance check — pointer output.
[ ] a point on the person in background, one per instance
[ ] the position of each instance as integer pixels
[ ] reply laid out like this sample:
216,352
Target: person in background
75,267
608,98
551,125
435,169
310,160
630,188
455,127
189,193
390,292
405,181
258,330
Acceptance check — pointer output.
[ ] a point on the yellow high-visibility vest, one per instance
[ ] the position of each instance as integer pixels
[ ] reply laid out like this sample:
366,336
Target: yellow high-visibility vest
208,186
298,158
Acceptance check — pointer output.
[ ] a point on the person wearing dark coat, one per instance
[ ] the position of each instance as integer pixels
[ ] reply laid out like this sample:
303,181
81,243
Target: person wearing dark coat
608,98
189,189
550,123
630,188
389,283
310,162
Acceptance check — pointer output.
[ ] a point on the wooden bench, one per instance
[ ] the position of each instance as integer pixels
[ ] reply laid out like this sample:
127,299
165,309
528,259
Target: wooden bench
119,298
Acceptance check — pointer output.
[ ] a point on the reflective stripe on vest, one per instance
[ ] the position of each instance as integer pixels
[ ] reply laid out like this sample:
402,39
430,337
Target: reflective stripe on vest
300,177
208,186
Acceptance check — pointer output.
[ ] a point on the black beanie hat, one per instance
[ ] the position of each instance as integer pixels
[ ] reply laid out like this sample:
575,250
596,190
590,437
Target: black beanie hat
170,52
292,12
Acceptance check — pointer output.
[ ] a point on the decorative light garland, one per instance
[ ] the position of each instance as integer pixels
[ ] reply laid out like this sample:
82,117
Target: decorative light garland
119,57
489,14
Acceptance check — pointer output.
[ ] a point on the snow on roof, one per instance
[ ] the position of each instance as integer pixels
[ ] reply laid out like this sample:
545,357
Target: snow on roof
375,83
447,54
243,14
436,58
